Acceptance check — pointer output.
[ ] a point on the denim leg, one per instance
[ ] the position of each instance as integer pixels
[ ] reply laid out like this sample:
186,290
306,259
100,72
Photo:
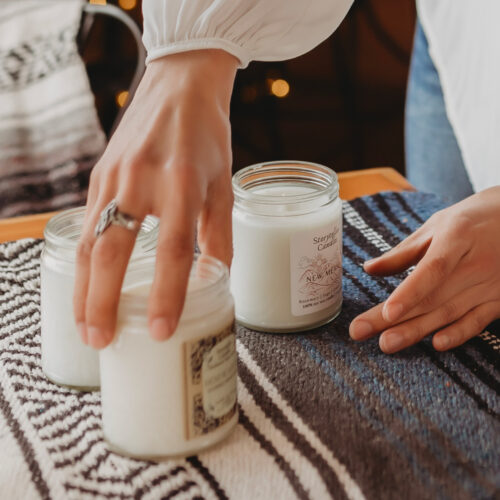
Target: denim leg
433,159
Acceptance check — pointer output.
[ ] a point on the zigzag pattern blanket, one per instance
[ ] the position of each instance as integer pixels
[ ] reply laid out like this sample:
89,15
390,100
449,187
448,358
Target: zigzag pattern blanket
50,136
320,415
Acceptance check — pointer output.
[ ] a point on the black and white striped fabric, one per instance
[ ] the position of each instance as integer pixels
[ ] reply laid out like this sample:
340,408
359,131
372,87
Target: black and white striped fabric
50,136
320,415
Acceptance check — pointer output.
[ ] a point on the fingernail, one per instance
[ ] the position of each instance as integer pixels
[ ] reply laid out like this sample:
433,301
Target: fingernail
392,312
96,337
370,261
162,329
442,342
82,332
360,329
392,342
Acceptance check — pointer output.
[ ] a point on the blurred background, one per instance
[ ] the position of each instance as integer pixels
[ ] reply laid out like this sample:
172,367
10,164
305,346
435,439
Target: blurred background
341,105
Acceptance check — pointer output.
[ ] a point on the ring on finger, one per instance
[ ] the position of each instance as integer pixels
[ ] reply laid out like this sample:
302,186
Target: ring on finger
112,215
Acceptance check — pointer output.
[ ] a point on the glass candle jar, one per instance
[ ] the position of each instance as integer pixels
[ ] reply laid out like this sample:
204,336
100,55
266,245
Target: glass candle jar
172,398
66,360
286,274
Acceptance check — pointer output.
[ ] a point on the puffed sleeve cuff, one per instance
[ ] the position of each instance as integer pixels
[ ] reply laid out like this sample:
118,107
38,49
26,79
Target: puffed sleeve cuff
262,30
240,53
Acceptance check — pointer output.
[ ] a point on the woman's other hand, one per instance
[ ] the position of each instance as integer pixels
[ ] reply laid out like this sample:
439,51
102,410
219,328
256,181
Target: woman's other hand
170,157
454,289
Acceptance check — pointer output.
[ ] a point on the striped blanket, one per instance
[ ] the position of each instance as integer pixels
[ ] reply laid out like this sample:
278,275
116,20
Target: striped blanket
320,415
50,136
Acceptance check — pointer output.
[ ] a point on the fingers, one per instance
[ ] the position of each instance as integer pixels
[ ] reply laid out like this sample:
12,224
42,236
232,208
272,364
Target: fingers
401,257
83,258
100,268
215,228
414,330
470,325
368,324
110,256
174,259
431,272
373,321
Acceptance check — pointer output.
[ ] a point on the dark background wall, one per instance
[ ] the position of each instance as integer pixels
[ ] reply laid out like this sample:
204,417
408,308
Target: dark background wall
345,102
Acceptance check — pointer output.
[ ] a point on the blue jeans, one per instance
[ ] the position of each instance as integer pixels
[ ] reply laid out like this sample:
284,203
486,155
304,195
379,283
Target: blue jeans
433,159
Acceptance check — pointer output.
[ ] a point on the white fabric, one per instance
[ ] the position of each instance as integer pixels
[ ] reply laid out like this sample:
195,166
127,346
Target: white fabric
263,30
463,36
464,43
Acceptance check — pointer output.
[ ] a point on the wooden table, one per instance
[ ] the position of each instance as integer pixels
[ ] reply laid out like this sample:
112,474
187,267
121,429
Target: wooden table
352,185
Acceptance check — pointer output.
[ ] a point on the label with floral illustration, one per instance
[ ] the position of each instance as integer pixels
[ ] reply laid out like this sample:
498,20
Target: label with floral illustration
211,372
315,269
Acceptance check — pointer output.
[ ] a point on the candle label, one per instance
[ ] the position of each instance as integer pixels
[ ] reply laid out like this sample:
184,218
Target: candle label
211,372
315,269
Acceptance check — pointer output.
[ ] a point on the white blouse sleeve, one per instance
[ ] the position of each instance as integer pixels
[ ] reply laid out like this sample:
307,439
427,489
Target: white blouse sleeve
263,30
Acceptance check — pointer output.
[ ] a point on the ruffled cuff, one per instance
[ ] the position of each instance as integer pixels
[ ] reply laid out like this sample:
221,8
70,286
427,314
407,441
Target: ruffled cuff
263,30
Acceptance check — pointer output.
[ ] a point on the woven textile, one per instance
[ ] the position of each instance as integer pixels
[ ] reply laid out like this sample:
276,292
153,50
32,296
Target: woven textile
320,415
50,136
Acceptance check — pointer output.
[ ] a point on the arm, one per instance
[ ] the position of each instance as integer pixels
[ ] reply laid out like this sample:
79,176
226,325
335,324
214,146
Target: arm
171,154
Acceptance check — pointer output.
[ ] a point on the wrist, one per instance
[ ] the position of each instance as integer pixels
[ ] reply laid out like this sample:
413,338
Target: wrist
209,72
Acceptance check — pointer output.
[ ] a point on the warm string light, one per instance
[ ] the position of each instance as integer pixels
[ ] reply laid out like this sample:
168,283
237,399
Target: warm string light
127,4
279,87
121,98
98,2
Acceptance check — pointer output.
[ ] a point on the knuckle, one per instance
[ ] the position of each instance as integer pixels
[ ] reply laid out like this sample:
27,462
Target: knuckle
449,312
438,266
131,166
176,247
461,225
477,323
94,176
83,250
105,254
434,218
427,302
417,332
184,172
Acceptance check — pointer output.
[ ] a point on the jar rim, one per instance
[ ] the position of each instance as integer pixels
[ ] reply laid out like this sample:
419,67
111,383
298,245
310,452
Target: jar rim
323,178
137,305
73,217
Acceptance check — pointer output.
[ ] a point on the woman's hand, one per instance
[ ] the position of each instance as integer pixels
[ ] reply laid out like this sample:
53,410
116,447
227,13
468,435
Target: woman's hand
171,157
454,289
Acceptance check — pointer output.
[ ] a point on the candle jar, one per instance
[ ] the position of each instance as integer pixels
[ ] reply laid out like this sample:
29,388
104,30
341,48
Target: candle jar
287,236
177,397
66,360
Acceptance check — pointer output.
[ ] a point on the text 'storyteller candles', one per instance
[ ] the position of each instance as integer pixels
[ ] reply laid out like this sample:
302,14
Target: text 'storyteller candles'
66,360
177,397
286,274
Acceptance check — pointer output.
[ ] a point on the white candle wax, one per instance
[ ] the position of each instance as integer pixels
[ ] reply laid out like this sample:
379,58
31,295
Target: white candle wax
176,397
66,360
287,268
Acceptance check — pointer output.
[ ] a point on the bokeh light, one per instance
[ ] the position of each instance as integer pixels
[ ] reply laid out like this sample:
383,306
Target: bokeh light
127,4
121,98
280,87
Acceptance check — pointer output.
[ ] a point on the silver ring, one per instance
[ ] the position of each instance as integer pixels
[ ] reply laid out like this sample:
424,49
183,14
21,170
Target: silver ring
111,215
